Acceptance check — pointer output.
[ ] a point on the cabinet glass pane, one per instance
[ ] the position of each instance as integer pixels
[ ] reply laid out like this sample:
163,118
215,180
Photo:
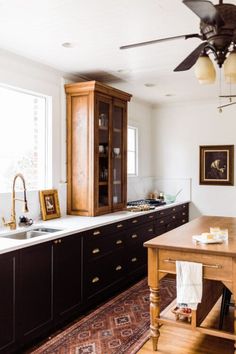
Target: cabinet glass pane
117,153
103,153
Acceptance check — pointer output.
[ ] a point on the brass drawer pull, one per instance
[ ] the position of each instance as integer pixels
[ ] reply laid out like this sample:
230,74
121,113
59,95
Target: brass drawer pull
134,236
134,259
118,268
118,242
150,230
57,241
95,280
96,250
162,221
97,232
151,216
119,226
134,221
173,217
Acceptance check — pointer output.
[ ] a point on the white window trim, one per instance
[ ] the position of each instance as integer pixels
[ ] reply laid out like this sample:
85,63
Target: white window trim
136,151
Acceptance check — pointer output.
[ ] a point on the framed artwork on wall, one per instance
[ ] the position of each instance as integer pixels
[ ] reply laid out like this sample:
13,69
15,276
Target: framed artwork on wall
216,165
49,204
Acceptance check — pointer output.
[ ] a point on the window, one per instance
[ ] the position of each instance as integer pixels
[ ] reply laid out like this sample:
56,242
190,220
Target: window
132,151
23,138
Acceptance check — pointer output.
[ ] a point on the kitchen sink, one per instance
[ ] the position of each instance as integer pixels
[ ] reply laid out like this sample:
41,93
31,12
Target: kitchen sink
24,235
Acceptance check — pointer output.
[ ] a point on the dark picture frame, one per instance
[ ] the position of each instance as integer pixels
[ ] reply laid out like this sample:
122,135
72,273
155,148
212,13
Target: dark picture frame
216,165
49,204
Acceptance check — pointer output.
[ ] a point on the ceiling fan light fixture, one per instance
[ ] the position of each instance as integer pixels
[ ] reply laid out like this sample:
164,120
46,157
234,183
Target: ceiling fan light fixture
230,68
204,70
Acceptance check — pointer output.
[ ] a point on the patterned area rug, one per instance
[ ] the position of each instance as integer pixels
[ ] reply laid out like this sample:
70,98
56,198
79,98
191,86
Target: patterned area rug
119,326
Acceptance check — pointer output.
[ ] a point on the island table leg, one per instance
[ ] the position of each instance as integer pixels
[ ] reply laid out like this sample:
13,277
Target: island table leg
153,282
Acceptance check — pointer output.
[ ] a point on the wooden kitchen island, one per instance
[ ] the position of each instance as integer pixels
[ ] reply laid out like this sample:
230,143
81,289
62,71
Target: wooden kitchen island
219,264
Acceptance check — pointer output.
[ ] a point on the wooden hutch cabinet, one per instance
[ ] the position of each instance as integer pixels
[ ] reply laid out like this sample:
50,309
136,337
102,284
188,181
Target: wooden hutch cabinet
96,148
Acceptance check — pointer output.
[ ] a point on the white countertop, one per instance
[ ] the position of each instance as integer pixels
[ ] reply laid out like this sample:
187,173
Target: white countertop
68,225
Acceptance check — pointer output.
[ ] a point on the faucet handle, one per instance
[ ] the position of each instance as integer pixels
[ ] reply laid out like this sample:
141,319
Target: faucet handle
10,224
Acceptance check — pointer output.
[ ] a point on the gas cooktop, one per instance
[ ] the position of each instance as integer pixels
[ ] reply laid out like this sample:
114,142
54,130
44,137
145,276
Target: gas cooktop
151,202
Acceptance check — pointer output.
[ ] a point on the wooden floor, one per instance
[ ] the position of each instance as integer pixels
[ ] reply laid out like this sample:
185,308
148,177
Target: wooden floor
174,340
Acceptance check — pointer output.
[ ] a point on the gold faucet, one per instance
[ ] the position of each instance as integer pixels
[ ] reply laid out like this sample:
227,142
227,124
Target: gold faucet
12,222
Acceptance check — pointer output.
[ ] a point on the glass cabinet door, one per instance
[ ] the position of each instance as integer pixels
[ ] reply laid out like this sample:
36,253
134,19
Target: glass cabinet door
103,165
117,153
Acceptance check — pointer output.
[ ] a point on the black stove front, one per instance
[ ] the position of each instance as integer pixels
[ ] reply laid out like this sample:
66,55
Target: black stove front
150,202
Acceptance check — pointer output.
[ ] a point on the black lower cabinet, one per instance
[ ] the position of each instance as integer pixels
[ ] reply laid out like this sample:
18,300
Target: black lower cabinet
8,286
35,291
46,284
67,292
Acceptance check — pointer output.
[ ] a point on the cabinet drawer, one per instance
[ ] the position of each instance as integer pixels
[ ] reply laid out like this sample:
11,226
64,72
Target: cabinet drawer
101,231
136,259
218,267
95,248
140,234
103,272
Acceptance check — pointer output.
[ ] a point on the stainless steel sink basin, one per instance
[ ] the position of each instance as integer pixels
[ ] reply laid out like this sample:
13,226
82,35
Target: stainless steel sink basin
39,231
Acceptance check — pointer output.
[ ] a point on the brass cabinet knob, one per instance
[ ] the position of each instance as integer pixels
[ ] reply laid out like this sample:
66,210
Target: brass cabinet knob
151,216
97,232
118,268
173,209
184,206
183,213
134,221
173,217
162,221
59,241
134,236
55,242
95,280
119,226
96,250
134,259
118,242
162,213
183,220
150,230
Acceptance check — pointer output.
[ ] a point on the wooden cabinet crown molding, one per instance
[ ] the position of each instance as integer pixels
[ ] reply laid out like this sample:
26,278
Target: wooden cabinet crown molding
96,86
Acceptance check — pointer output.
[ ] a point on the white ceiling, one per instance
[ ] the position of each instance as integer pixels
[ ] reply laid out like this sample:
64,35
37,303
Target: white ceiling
36,29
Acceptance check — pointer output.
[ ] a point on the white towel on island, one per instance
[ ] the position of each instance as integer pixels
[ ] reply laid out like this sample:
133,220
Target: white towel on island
189,284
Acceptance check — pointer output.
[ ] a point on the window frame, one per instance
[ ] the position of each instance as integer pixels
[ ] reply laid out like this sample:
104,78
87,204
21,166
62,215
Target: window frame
135,129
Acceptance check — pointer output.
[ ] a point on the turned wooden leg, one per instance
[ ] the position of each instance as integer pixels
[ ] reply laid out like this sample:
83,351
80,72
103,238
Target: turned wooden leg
154,314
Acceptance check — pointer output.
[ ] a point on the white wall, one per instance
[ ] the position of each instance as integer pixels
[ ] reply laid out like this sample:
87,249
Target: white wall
140,116
180,129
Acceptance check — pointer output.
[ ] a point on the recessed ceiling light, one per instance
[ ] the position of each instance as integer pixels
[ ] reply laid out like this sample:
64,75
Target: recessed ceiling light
68,45
169,95
149,84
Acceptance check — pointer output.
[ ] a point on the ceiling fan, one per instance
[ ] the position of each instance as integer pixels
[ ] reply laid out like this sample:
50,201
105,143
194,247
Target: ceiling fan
217,32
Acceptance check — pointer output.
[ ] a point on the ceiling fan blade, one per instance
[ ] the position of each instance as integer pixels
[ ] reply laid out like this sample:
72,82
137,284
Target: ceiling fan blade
207,12
185,36
191,59
227,96
226,105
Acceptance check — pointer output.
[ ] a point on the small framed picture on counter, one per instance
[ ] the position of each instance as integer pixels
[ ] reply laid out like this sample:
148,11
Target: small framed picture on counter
49,204
217,164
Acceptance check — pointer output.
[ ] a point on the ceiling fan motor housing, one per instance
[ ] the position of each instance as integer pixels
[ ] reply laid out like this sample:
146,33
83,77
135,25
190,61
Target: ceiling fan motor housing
220,37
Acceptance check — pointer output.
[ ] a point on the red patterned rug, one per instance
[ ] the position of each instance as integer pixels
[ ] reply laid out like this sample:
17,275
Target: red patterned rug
119,326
